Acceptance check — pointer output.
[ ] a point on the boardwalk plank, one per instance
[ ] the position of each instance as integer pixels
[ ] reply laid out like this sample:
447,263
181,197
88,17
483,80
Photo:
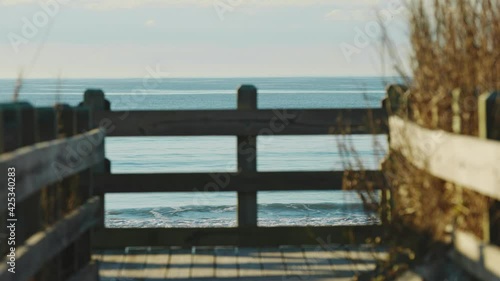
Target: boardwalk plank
230,263
272,262
249,264
226,262
295,263
180,263
157,262
110,264
351,260
133,263
203,262
318,260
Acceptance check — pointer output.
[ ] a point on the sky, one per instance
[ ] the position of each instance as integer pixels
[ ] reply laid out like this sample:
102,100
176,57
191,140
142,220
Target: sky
197,38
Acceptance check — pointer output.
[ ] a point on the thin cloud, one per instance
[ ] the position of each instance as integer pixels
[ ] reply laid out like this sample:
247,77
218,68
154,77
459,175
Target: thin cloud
150,23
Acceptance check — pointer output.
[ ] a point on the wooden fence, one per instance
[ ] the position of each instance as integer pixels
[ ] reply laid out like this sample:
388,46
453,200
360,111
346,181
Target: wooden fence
48,155
61,177
470,162
246,123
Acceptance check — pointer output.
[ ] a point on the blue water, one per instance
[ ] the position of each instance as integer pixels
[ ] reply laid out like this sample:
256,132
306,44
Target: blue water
218,154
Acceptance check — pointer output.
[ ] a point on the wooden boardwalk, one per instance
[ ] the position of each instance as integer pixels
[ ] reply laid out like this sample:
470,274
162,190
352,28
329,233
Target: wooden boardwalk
56,171
330,262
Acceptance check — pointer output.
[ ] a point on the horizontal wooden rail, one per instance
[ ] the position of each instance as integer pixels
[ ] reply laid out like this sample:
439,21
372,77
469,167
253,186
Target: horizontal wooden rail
44,245
480,259
49,162
110,238
467,161
244,123
244,182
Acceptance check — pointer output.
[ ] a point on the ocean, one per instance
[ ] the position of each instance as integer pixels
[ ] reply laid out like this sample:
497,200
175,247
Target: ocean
218,154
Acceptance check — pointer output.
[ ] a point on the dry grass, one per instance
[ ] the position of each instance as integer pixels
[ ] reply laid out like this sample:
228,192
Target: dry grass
455,58
455,46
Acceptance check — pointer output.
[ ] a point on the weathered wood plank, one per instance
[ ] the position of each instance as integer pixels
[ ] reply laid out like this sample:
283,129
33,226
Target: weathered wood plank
84,190
489,128
50,196
94,99
478,258
291,263
318,260
255,236
48,162
18,119
244,123
226,262
110,264
247,160
180,263
489,115
67,189
16,125
467,161
47,124
44,245
157,262
280,278
249,264
295,262
342,261
133,263
272,262
203,265
204,182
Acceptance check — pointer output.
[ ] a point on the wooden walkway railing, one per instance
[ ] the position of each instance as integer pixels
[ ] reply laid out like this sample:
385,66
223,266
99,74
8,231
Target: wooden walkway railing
47,161
470,162
61,177
247,122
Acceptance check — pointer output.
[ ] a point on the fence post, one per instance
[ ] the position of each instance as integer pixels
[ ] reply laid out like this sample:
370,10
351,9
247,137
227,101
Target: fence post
489,128
46,131
94,99
10,137
247,160
29,216
395,103
68,188
13,118
83,251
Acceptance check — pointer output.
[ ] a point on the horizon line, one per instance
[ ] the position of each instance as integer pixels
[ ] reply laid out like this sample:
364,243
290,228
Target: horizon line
204,77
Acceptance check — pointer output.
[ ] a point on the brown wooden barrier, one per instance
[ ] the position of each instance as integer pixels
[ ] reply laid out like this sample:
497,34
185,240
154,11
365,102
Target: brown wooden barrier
46,164
468,162
62,177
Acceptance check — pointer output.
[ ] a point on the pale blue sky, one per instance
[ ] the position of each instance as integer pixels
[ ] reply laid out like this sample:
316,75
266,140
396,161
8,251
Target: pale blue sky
194,38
